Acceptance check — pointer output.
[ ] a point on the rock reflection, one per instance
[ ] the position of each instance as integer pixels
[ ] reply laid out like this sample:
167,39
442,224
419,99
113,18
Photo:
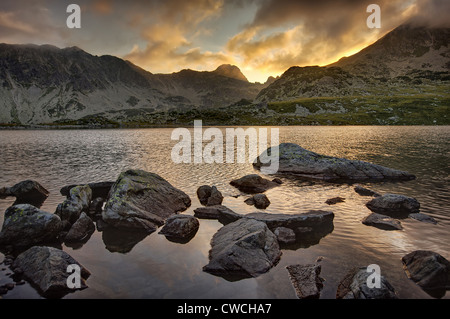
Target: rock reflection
308,239
120,240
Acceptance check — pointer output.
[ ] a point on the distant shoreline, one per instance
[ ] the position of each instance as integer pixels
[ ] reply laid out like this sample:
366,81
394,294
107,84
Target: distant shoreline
119,127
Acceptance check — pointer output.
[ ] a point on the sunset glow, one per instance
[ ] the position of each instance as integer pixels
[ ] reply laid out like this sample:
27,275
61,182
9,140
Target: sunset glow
263,38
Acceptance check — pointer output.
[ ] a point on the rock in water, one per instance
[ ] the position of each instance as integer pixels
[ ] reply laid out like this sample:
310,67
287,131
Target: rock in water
142,200
210,212
78,201
382,222
285,236
46,269
260,201
180,228
306,280
427,269
209,196
81,230
354,286
296,160
253,183
99,189
28,192
25,225
423,218
244,248
365,191
335,200
394,205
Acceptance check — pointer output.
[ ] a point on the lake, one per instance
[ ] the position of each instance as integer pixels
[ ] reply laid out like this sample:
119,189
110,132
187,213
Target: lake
127,266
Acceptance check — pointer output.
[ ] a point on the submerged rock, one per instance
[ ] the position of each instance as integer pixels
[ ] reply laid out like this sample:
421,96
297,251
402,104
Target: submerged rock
180,228
382,222
306,280
253,183
427,269
354,286
365,191
27,192
335,200
25,225
245,248
260,201
209,195
142,200
296,160
423,218
46,268
78,201
394,205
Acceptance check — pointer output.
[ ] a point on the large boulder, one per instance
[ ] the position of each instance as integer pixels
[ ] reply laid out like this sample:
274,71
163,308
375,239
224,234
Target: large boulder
306,280
142,200
427,269
46,268
27,192
245,248
78,201
296,160
253,184
354,286
180,228
25,225
394,205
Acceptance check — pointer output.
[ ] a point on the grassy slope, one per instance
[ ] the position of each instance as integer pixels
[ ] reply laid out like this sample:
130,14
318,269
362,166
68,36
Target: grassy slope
428,105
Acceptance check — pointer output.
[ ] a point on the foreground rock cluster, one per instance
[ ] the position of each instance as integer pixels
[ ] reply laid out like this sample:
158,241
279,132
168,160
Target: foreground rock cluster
248,245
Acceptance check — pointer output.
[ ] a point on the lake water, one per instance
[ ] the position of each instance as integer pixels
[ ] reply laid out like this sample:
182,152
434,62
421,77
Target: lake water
124,266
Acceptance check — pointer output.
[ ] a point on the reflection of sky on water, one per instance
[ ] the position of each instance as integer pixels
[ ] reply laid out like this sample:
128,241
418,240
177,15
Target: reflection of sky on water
153,267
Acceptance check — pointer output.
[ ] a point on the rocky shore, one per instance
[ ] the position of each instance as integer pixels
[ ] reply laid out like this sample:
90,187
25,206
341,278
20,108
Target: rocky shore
248,245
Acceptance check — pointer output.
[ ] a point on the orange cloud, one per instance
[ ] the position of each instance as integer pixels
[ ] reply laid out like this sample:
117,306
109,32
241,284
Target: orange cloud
103,6
169,31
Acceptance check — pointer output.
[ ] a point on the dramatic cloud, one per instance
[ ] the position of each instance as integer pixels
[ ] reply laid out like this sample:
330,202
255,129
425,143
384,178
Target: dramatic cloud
262,37
313,32
169,30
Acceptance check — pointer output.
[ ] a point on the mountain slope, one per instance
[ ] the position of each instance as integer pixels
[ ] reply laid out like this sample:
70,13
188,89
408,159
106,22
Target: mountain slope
404,59
45,84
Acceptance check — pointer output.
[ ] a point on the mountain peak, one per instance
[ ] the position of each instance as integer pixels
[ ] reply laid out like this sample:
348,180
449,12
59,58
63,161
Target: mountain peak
230,71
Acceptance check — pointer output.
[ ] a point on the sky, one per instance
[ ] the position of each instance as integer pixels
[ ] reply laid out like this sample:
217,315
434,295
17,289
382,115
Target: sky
262,37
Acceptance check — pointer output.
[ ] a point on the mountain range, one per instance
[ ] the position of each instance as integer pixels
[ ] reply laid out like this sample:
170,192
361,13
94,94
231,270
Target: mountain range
403,75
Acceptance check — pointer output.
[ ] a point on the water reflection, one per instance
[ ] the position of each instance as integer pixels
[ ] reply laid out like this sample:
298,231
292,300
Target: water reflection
150,266
121,240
